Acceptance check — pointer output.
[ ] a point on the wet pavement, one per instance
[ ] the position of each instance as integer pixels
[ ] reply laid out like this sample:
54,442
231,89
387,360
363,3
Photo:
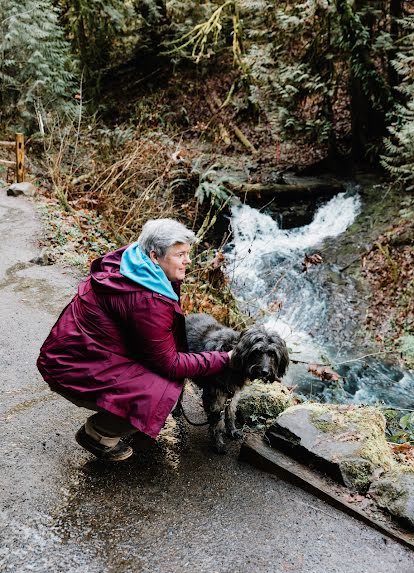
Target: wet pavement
175,507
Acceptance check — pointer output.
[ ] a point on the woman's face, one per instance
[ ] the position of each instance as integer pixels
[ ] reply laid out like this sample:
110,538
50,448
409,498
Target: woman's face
175,261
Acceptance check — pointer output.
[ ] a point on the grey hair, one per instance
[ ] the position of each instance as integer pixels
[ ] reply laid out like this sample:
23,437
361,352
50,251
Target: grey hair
160,234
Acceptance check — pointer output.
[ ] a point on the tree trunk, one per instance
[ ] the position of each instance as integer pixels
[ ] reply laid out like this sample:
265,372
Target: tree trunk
396,13
370,94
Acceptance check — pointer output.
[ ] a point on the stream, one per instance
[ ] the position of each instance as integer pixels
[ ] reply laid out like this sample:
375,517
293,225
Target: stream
306,308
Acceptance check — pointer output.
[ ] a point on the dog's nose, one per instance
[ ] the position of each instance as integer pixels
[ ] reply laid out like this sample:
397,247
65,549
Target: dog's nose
265,373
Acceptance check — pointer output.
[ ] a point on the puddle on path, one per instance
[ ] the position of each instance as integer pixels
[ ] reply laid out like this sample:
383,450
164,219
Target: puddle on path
36,291
109,505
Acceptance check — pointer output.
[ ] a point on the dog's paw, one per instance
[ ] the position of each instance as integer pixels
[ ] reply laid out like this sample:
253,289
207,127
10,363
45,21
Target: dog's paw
236,434
220,449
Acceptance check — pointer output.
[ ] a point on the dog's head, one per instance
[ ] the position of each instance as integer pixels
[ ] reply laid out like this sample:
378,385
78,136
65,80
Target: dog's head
260,354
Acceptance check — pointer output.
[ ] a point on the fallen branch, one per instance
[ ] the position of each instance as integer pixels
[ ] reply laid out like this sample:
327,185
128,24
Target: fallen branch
237,131
295,361
330,188
367,355
242,138
224,134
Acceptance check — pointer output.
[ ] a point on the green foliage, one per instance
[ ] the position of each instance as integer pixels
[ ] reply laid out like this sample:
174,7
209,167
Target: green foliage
74,238
36,73
310,67
305,57
212,185
400,429
300,59
96,30
406,344
291,74
399,145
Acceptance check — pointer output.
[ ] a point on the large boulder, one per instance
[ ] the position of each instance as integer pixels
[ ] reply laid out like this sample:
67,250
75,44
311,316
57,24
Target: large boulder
347,442
394,491
260,404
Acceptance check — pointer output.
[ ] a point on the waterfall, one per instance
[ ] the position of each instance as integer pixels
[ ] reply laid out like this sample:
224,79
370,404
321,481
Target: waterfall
266,272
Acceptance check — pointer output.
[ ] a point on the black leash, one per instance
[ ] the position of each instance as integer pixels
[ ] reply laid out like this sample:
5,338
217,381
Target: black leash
181,410
179,407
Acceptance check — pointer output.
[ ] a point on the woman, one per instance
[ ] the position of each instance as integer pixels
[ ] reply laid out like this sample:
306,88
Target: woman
119,347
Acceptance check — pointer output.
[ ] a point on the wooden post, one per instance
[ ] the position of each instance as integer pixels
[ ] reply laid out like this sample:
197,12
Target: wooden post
19,157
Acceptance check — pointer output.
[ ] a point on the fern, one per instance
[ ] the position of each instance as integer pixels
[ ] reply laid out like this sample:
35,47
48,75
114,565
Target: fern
398,158
212,184
36,70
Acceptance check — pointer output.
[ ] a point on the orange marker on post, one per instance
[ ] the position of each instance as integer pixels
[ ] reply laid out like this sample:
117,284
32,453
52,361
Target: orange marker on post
19,157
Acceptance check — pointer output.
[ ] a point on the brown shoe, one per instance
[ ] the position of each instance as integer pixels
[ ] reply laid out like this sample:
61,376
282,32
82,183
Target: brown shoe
117,453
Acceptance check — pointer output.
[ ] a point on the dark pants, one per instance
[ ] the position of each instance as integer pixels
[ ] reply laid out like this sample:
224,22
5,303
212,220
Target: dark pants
104,422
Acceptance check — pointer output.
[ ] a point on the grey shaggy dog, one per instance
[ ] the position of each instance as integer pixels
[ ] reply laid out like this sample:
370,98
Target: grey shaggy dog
257,353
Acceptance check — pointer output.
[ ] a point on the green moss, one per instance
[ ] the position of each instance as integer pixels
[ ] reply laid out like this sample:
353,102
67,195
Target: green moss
358,473
364,424
325,426
261,403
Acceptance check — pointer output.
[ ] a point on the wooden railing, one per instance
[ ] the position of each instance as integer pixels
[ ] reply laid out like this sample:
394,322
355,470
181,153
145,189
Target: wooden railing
18,164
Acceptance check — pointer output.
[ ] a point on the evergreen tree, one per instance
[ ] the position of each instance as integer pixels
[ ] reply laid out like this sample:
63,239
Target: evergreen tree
399,146
36,71
96,30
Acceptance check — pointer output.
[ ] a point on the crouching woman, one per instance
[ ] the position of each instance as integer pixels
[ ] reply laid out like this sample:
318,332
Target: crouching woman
119,347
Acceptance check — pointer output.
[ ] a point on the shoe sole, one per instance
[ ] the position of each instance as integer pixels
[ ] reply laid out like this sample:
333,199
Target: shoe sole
102,456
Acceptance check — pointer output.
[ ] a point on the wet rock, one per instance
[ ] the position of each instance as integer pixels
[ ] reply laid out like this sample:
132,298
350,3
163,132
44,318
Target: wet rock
394,491
44,259
261,403
347,442
24,188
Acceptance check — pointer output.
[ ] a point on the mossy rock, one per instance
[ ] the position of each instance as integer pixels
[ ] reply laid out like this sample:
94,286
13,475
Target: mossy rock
347,441
260,404
394,491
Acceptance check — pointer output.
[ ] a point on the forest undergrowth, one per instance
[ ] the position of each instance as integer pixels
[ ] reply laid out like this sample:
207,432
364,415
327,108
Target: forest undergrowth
388,269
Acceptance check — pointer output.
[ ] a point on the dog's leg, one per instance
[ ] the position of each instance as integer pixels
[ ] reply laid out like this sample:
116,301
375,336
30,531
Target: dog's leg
230,417
214,404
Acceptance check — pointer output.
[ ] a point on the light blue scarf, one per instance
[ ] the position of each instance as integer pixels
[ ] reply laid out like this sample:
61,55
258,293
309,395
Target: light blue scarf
138,267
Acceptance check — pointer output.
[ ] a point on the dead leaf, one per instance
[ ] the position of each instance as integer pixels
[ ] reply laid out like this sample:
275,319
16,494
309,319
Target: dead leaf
218,260
275,306
354,498
323,372
179,156
405,447
310,260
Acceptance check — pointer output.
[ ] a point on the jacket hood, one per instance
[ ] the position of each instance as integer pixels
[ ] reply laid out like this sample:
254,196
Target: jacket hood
106,276
139,268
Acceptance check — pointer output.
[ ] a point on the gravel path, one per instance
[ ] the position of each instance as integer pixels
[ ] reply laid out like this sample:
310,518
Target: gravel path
175,508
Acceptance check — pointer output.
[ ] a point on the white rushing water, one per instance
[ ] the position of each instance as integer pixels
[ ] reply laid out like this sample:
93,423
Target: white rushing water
266,261
256,233
266,273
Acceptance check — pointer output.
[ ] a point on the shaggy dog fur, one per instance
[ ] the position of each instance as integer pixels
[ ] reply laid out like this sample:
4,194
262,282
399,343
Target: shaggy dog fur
257,353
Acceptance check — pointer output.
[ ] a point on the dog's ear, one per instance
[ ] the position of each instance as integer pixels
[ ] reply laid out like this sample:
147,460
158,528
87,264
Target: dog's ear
282,354
241,352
